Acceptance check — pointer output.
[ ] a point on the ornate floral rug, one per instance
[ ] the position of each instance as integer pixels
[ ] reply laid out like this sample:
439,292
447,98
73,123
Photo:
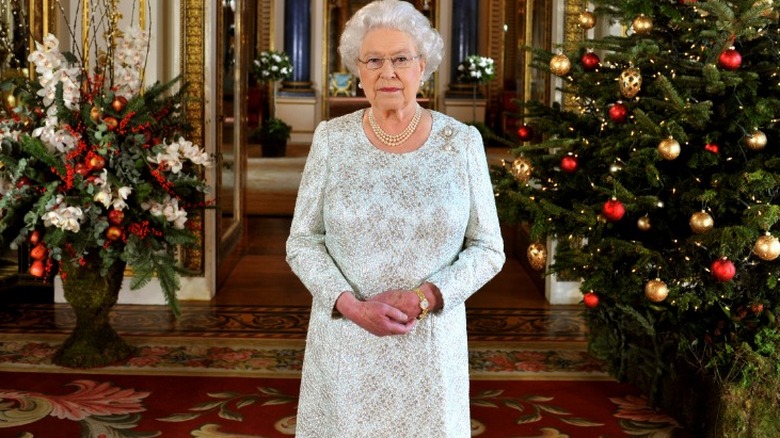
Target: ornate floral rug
110,405
218,388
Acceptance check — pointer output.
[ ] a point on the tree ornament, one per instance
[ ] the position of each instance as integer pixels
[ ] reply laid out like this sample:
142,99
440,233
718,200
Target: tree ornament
756,141
119,103
95,113
723,269
111,123
590,299
669,149
701,222
618,112
712,147
643,25
114,233
586,20
37,269
643,223
767,247
525,132
537,255
656,290
569,163
630,82
39,252
613,210
560,65
115,217
521,169
590,61
730,59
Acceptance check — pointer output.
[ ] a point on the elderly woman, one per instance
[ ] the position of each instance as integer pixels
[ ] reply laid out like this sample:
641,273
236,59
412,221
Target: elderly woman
395,226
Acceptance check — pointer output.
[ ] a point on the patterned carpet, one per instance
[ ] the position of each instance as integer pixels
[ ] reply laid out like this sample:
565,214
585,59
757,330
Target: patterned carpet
232,371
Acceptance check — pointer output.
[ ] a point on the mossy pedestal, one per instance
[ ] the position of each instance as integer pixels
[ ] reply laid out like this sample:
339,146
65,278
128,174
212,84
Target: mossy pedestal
93,342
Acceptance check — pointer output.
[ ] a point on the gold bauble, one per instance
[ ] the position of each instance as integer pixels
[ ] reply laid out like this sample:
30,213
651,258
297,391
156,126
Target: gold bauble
521,169
537,255
643,25
630,82
656,290
560,65
756,141
586,20
10,100
701,222
643,223
767,247
669,148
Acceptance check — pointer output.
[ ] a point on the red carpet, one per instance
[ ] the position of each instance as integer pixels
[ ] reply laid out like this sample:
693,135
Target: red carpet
103,405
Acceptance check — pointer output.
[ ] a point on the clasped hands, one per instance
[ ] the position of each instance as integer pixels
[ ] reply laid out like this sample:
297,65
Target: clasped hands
392,312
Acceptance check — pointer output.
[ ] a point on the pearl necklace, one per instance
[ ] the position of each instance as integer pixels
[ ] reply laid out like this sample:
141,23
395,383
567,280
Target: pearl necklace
397,139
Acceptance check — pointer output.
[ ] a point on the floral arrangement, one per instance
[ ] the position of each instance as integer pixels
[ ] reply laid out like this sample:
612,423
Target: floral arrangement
270,66
96,170
476,69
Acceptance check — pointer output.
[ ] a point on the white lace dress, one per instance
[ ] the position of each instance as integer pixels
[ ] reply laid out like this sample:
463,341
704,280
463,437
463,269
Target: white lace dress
368,221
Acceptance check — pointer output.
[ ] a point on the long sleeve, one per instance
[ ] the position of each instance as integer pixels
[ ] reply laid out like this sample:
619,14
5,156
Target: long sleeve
483,250
306,252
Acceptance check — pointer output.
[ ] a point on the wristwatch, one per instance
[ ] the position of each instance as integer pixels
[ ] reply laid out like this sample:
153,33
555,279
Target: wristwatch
424,304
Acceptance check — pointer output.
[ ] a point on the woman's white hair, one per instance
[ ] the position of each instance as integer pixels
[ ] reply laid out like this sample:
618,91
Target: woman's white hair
397,15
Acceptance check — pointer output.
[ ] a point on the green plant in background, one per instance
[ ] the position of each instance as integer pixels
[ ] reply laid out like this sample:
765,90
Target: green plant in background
658,178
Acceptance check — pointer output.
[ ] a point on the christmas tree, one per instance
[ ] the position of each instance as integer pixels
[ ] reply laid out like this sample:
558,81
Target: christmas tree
658,178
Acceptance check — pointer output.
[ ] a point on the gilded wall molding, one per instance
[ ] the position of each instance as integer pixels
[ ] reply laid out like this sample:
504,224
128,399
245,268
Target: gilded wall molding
572,36
192,48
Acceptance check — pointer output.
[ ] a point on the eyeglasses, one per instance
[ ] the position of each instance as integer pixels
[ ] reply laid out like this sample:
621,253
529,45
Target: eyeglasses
399,62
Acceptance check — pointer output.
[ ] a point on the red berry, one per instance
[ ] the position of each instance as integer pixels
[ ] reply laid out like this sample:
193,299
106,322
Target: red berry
712,147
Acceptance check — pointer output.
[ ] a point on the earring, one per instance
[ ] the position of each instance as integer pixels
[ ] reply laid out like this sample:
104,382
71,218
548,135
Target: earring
422,84
360,85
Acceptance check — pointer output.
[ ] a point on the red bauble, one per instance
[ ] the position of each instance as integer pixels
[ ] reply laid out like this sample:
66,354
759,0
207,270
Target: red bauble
114,233
613,210
119,103
22,182
525,133
723,269
712,147
37,269
730,59
39,252
618,112
590,61
35,237
115,217
111,123
569,164
96,162
591,300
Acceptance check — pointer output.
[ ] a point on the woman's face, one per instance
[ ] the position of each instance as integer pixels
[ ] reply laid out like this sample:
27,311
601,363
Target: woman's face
390,87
